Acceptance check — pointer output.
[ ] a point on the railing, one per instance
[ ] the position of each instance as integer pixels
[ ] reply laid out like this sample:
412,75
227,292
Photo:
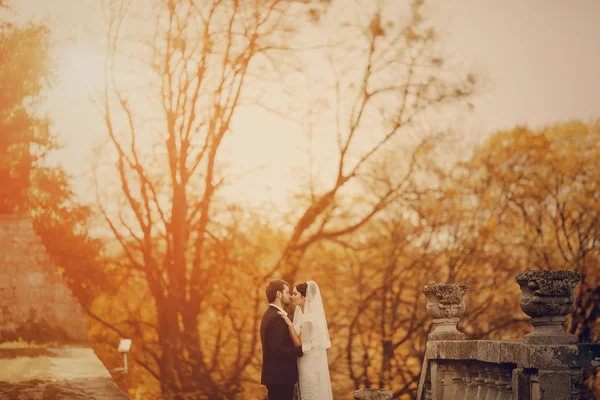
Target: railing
544,365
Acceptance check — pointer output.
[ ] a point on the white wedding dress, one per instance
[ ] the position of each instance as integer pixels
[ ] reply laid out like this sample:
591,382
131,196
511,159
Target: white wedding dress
313,369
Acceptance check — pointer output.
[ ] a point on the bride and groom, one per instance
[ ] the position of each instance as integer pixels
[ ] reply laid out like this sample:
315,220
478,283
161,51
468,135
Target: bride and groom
295,351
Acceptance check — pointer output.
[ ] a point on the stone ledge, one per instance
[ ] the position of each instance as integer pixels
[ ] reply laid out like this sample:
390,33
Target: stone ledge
547,357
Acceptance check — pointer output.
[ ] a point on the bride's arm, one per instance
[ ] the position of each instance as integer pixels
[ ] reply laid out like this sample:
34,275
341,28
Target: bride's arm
297,339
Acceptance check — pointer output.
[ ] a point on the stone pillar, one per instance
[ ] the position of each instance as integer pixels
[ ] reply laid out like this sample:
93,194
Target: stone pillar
547,297
445,303
373,394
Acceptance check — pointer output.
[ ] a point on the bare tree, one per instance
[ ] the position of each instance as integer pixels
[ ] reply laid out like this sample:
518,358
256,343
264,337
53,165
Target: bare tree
189,66
383,84
176,73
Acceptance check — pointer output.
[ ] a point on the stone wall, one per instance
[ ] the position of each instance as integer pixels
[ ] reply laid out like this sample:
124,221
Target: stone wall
35,303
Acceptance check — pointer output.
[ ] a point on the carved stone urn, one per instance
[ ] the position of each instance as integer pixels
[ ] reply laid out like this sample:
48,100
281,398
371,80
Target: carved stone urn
445,303
547,297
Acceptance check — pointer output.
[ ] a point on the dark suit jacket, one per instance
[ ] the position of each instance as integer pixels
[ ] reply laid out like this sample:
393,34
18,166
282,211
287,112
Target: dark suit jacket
279,353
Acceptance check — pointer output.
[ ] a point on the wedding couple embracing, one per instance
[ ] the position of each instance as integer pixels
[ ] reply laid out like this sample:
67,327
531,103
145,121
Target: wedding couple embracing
295,351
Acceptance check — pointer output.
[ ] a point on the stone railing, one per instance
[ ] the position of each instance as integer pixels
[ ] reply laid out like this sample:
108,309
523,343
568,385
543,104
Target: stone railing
373,394
545,365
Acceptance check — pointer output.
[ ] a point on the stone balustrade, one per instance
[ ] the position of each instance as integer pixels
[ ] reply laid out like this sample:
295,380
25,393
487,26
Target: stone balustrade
373,394
545,365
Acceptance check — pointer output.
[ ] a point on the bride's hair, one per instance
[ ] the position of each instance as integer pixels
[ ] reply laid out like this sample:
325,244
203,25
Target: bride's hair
301,288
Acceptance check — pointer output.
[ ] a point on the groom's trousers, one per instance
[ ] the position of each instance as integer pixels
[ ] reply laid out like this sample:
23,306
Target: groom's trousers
281,392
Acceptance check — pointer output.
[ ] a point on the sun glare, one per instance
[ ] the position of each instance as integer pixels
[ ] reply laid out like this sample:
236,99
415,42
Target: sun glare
80,70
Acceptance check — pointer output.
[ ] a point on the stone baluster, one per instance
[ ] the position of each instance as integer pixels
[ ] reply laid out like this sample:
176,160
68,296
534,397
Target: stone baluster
479,384
491,391
504,384
459,381
373,394
445,303
448,389
575,372
428,395
471,383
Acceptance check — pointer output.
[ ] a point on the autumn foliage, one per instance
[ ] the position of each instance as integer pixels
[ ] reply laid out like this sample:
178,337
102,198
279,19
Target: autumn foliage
180,267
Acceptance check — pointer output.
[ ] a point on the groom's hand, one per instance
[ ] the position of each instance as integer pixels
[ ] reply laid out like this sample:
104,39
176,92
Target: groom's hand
276,339
285,318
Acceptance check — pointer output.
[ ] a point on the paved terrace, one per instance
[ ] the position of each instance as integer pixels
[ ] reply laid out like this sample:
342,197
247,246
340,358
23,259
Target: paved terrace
32,373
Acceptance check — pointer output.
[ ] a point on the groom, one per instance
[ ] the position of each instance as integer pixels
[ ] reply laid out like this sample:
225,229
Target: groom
279,369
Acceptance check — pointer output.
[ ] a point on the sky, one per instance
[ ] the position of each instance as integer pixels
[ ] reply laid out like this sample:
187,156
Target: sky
539,59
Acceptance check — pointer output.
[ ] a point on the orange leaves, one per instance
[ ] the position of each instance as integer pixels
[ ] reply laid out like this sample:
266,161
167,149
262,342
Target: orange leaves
23,136
545,185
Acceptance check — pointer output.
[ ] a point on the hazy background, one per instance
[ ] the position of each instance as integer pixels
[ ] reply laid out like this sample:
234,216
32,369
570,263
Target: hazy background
175,219
539,60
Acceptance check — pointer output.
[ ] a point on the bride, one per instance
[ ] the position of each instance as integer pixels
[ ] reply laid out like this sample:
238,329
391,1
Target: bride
309,330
